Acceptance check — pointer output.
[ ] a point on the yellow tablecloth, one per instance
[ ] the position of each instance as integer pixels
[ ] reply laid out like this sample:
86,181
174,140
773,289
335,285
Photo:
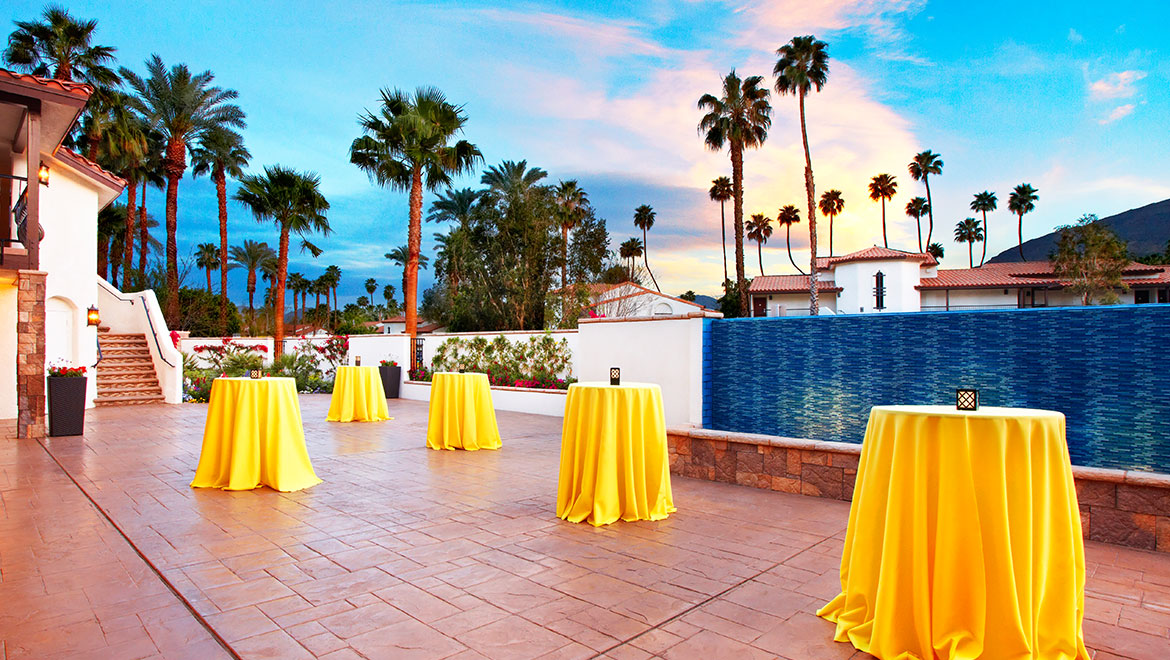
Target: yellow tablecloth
614,459
964,538
358,396
253,436
461,413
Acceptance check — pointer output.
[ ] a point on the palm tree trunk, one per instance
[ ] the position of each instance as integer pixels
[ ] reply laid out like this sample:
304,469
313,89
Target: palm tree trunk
564,272
278,303
128,237
831,216
984,257
970,254
885,241
929,208
209,280
251,292
760,255
646,258
788,242
174,164
737,217
414,244
723,242
103,256
144,239
810,189
218,175
918,223
1020,235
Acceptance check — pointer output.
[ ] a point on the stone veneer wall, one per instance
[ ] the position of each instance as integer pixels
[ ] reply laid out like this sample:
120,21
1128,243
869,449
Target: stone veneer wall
30,354
1121,507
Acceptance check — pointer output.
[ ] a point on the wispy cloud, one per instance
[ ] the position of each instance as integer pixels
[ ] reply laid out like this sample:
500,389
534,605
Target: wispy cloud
1120,112
1119,85
1075,37
769,21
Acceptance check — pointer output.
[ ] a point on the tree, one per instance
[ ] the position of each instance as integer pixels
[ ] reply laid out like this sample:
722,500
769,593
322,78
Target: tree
182,107
1022,200
333,277
401,256
207,260
688,295
923,165
644,220
252,256
293,201
935,250
512,182
60,46
803,65
882,188
371,286
739,118
388,296
788,216
299,285
916,208
221,153
411,143
121,149
721,191
630,250
832,204
572,202
1091,257
969,231
984,203
454,206
150,174
111,222
759,229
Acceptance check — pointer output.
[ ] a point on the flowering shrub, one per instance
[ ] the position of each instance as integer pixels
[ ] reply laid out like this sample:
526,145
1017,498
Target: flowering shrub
539,362
175,338
421,374
228,352
388,363
333,350
197,389
61,371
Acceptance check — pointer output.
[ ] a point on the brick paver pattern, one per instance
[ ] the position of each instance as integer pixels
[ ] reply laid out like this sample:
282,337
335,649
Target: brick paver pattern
405,552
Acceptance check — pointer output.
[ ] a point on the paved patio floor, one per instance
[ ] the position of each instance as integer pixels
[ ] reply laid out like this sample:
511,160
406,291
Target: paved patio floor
106,552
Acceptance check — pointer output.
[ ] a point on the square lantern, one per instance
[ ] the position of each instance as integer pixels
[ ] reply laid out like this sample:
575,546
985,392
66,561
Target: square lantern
357,361
966,399
615,376
255,373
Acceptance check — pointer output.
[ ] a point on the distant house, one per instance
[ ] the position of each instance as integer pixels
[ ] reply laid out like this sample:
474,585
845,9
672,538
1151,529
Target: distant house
630,300
879,279
397,325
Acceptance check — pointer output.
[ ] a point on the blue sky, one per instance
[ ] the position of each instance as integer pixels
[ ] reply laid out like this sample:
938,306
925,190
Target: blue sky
1068,96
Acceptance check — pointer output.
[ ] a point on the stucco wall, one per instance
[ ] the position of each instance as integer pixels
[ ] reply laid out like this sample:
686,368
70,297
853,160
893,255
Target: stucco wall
7,349
857,281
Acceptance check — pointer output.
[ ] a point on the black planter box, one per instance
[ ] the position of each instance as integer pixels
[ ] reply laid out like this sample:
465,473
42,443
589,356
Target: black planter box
391,377
66,405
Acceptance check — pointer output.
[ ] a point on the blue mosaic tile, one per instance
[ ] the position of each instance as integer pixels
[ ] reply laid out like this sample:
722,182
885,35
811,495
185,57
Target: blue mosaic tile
817,377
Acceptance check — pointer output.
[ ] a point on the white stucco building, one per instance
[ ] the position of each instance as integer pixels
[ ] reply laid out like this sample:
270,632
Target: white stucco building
630,300
878,279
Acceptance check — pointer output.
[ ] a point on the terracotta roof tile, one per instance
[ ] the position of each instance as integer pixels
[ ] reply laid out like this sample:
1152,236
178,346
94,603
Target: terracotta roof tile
98,169
81,90
1029,273
876,253
788,284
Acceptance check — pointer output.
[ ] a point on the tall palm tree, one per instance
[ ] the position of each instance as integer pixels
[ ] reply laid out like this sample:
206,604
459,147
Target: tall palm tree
252,256
401,256
739,118
512,181
371,286
644,220
935,250
883,187
630,250
968,231
788,216
721,191
207,260
388,295
985,202
832,204
333,276
183,107
299,285
321,288
572,203
759,229
221,153
803,65
454,206
60,46
150,174
1022,200
923,165
122,149
111,222
916,208
408,144
293,201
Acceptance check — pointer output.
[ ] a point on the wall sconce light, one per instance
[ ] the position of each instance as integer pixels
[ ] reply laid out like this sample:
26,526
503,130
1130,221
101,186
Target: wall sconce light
615,376
92,317
43,174
967,399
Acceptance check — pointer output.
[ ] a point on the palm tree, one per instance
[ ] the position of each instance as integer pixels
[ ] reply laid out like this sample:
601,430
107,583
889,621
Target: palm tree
252,256
333,276
122,149
630,250
371,286
803,65
511,181
111,222
183,107
221,152
788,216
721,192
321,287
150,174
207,260
923,165
60,46
832,204
935,250
1021,201
388,295
454,206
644,220
759,229
401,256
968,231
883,187
293,201
572,202
916,208
739,118
410,139
299,285
984,203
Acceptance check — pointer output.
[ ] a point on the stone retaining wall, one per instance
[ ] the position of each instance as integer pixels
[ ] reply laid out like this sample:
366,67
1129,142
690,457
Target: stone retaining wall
1121,507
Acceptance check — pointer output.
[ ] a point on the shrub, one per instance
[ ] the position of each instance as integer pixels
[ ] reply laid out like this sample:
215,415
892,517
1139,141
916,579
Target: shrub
217,355
537,362
238,364
197,386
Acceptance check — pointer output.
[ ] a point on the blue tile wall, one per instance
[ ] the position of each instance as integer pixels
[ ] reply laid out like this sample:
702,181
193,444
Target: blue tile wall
1105,368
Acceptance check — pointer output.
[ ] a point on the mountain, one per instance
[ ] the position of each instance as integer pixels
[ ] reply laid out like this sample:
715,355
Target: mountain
707,301
1146,230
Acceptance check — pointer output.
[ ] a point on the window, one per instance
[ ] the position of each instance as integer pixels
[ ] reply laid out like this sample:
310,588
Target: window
1141,296
879,290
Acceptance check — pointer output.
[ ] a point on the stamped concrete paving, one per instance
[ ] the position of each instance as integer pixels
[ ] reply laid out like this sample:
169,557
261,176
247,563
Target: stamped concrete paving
409,553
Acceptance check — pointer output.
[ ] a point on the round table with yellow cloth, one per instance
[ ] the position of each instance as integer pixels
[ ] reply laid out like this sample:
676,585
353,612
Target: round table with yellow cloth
358,396
964,538
614,458
461,413
253,436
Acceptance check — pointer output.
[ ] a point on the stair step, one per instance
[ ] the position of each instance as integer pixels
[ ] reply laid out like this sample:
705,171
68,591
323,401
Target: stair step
117,387
125,372
126,351
128,400
120,343
125,360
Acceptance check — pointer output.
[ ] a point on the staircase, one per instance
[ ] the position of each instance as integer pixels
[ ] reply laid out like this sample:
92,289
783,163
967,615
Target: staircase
125,375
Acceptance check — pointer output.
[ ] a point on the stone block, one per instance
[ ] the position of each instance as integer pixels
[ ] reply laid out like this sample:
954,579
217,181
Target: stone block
776,461
814,457
822,481
749,462
682,444
725,466
702,453
698,472
1143,499
786,485
1162,534
1096,493
794,463
1136,530
848,461
753,479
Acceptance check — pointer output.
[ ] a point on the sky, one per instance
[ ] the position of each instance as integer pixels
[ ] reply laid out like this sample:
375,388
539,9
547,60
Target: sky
1070,97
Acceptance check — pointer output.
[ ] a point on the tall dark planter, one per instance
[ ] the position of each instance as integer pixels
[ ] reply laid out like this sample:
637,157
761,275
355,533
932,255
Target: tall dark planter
66,405
391,377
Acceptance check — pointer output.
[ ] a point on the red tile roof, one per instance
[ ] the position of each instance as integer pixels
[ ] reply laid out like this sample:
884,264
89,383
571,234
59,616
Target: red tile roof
876,253
788,284
1029,273
80,90
101,173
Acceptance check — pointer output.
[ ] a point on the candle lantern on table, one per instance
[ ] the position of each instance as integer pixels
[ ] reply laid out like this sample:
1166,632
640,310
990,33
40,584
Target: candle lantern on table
255,373
615,376
967,399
